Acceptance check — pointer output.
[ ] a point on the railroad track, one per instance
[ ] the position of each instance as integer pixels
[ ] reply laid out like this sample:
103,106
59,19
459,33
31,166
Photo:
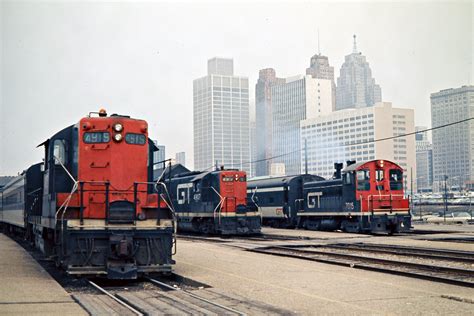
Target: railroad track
406,251
162,298
341,255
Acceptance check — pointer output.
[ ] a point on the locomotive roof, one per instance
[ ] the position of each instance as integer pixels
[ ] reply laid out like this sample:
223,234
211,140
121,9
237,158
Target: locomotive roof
274,181
359,164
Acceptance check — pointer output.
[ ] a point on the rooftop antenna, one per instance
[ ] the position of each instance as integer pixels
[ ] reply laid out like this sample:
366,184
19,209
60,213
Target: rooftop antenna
354,48
319,51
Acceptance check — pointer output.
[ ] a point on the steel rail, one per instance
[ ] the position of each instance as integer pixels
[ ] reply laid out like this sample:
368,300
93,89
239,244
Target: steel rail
461,256
423,270
101,289
167,286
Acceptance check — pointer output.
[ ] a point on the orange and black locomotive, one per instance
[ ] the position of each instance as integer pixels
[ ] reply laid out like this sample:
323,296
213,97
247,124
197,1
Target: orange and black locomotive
92,205
364,197
213,202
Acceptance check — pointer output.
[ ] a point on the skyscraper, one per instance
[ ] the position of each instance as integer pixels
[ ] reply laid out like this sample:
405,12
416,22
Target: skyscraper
355,86
181,158
453,146
159,156
263,119
424,160
221,117
319,68
299,98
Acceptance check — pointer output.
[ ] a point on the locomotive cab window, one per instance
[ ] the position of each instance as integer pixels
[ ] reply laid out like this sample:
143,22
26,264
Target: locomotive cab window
96,137
363,180
59,152
135,139
396,179
379,175
227,179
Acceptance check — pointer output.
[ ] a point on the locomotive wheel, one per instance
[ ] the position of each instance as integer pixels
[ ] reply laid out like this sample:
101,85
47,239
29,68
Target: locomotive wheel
312,224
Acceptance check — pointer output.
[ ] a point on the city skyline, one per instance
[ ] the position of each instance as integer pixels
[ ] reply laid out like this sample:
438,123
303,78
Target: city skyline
60,61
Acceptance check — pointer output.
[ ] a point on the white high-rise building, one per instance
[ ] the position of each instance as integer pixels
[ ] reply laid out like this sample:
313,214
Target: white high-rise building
299,98
453,146
221,117
181,158
159,156
349,135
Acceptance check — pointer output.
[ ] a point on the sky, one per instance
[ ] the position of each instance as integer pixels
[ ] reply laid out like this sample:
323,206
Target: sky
60,60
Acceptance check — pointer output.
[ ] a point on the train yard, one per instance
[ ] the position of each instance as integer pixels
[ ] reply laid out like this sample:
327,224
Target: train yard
284,271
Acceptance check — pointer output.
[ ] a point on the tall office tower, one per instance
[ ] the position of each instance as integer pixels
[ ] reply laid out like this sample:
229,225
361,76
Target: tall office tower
159,156
263,119
253,148
349,135
319,68
424,160
299,98
355,86
181,158
453,146
221,117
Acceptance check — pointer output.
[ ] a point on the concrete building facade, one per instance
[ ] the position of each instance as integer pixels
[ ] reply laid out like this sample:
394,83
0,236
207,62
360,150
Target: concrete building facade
299,98
453,146
349,135
355,86
263,119
221,117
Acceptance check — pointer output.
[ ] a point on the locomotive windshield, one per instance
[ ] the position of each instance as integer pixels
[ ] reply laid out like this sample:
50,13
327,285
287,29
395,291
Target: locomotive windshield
363,178
396,179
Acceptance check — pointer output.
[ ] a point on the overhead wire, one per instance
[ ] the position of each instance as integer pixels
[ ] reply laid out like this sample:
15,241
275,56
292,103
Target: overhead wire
366,142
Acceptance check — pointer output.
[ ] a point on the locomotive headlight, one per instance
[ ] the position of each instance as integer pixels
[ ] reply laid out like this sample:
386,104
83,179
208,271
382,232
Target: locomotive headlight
118,137
118,127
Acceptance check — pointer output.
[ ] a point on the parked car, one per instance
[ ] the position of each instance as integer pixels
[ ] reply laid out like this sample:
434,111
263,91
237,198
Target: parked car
452,218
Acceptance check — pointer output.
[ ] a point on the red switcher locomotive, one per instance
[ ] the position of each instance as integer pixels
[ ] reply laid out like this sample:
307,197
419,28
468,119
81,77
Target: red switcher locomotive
213,202
92,204
364,197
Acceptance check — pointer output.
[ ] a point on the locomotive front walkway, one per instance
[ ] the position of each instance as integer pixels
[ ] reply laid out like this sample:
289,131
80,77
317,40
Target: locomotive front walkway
26,288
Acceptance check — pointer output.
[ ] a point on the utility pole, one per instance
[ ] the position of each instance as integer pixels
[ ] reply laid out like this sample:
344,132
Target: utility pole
305,156
445,197
411,187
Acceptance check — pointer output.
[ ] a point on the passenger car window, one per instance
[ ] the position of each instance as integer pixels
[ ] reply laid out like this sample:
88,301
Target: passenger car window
347,178
363,177
396,179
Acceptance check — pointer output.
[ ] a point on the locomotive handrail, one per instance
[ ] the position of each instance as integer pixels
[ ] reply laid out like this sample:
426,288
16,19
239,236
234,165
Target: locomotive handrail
173,212
219,205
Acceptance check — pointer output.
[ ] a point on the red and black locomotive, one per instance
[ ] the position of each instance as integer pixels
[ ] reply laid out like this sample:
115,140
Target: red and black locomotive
363,197
92,205
213,202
